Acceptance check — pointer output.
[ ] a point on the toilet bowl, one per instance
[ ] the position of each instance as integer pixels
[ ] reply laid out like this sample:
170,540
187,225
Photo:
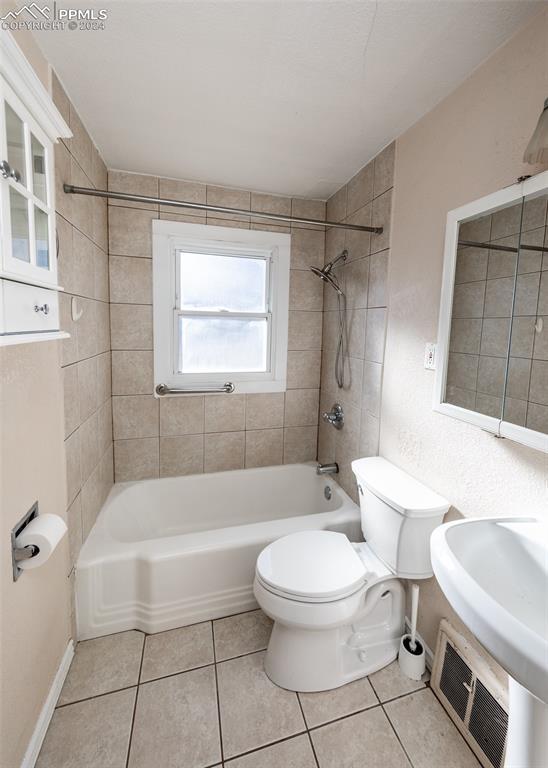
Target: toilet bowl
338,607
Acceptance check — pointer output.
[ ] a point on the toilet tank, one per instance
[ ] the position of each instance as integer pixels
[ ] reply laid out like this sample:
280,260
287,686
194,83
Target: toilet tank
398,514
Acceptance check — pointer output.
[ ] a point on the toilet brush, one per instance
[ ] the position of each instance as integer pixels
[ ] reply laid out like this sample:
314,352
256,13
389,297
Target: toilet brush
411,658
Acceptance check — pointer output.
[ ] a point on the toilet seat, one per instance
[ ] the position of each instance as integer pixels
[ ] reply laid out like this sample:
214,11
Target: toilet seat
311,566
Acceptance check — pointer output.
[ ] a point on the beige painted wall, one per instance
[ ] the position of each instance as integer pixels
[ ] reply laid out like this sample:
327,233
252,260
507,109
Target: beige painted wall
28,45
469,145
35,610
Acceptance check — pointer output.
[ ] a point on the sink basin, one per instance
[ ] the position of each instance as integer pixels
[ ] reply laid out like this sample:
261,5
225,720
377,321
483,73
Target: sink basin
494,572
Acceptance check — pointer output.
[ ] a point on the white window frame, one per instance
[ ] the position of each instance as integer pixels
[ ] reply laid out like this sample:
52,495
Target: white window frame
168,238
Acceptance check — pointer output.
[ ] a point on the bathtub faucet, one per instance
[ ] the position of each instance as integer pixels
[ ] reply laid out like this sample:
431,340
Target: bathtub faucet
327,469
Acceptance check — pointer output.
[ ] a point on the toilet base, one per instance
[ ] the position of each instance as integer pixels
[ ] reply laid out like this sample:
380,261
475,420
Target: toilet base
308,659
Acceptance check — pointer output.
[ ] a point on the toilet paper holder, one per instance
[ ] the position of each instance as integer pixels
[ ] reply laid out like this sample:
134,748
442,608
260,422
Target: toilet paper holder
22,553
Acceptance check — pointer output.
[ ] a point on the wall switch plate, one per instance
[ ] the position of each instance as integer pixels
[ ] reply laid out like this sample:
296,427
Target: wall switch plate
430,357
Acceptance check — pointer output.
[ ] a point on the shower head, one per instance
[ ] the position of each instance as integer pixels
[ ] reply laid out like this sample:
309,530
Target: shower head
325,273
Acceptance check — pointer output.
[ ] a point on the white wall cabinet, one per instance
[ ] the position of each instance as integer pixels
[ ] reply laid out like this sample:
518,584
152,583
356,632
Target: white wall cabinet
30,124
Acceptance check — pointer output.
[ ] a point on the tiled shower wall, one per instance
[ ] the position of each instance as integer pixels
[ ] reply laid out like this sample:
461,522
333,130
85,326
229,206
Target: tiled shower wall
366,199
85,357
193,434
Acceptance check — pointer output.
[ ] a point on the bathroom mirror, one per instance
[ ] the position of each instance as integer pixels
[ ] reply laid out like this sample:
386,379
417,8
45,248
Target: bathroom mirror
492,367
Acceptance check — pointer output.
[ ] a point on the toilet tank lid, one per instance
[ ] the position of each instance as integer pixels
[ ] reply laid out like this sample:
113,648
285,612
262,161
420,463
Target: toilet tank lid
398,489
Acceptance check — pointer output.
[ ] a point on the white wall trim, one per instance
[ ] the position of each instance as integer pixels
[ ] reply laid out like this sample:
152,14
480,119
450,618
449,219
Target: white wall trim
35,743
15,68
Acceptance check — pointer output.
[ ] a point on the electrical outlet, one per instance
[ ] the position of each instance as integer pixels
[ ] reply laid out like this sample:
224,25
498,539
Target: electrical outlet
430,357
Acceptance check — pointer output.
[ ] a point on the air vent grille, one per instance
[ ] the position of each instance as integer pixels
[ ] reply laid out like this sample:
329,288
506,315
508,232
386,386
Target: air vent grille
472,696
488,724
456,681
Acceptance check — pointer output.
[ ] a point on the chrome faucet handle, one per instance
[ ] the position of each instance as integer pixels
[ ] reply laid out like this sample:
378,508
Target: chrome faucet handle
335,416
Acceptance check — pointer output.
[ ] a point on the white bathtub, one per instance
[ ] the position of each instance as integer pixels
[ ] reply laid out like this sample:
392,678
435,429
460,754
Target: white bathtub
171,552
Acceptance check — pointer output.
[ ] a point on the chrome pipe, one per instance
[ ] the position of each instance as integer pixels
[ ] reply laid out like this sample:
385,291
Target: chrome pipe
163,389
70,189
505,248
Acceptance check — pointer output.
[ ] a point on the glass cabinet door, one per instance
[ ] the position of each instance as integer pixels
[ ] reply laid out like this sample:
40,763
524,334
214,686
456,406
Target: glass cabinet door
26,191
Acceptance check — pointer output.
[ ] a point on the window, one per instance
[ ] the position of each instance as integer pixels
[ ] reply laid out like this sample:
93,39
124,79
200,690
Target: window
220,307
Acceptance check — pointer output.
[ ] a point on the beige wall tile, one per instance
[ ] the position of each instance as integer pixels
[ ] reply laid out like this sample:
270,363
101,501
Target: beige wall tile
270,204
130,280
82,205
540,350
263,447
308,209
491,375
99,175
494,337
73,465
356,321
224,413
369,435
87,387
519,374
71,399
527,293
130,232
301,407
135,416
358,243
132,373
181,415
300,444
188,191
102,310
372,387
471,265
522,340
63,175
74,525
264,410
381,217
375,335
181,455
465,335
502,263
136,459
61,101
92,500
99,225
335,209
89,446
357,281
303,369
506,222
305,290
81,143
228,198
131,326
305,329
133,184
462,371
103,377
307,248
384,169
86,328
224,451
78,264
538,392
537,417
69,347
104,424
515,411
377,295
498,297
101,274
360,188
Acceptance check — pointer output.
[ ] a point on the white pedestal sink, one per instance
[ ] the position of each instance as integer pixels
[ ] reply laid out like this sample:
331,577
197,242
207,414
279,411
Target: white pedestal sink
494,572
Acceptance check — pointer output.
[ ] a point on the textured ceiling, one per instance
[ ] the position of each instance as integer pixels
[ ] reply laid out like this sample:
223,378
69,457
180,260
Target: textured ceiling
280,96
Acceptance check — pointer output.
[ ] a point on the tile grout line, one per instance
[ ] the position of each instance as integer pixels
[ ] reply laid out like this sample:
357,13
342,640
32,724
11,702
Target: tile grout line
217,693
397,736
135,703
308,731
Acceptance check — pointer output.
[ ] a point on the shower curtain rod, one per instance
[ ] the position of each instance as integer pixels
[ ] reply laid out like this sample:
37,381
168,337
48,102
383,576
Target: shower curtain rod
72,190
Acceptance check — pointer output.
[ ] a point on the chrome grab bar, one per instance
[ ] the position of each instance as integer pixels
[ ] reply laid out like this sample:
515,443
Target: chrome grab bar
163,389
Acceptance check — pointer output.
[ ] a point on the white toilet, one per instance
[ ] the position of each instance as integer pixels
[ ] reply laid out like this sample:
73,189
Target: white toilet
338,607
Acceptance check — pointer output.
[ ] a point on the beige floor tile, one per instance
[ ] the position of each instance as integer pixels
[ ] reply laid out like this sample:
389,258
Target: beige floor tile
365,740
176,722
322,707
102,665
293,753
428,735
90,734
244,633
254,712
177,651
389,682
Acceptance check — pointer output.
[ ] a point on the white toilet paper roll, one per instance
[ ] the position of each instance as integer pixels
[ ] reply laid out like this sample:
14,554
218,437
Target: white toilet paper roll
45,532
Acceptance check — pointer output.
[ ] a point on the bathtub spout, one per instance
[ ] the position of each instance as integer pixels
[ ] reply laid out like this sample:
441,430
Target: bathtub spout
327,469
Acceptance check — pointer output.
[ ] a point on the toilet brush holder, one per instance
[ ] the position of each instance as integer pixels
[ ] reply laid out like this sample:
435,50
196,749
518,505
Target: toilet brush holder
412,661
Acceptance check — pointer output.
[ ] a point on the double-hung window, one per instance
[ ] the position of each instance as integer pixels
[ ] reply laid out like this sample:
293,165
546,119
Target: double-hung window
220,307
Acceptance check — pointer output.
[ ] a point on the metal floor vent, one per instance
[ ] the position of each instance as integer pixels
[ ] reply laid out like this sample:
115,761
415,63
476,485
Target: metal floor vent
472,695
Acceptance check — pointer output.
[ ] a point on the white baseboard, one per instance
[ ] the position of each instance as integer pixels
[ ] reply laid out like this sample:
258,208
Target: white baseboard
427,651
35,743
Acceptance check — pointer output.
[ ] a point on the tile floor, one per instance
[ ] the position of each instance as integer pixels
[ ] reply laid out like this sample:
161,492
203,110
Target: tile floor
198,697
